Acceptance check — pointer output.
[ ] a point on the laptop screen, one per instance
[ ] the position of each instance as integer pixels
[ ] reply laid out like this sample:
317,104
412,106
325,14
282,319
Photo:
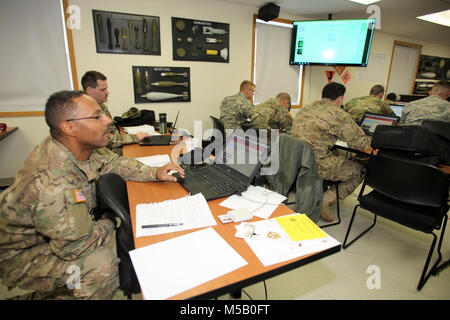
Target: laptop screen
243,153
397,109
371,121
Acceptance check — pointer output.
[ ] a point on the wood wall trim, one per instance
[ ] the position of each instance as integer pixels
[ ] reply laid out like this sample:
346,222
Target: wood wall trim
71,48
21,113
405,44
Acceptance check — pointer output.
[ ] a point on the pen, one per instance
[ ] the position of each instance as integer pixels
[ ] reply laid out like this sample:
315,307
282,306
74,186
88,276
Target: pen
161,225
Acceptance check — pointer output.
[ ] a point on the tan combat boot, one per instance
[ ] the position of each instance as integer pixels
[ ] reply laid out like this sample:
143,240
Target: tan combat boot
329,197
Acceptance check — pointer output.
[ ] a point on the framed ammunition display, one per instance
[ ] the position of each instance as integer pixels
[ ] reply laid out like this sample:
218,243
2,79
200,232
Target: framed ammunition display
161,84
422,87
433,68
126,33
198,40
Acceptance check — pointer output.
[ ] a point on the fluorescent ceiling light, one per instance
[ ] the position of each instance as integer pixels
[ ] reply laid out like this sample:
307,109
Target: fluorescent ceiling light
442,18
366,2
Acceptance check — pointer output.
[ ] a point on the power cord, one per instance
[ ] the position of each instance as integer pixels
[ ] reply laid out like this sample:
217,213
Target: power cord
262,203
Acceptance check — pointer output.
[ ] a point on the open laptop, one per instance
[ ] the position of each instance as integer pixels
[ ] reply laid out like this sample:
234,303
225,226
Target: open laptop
397,108
242,157
160,140
370,121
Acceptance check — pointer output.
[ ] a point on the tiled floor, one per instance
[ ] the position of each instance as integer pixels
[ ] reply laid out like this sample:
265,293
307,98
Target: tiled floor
390,255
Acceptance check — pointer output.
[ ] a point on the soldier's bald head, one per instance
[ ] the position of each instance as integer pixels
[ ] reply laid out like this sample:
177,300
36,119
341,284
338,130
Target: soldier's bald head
60,106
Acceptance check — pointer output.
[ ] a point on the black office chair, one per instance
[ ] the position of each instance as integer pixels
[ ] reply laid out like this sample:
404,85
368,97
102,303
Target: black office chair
410,193
112,192
441,128
218,124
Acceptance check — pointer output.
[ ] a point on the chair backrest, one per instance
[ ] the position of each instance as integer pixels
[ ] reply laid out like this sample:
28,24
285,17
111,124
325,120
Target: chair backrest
441,128
414,142
217,124
112,191
408,181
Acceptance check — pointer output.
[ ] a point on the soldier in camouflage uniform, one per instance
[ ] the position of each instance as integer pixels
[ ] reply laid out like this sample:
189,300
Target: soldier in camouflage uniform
94,84
48,237
433,107
273,114
321,124
235,109
370,104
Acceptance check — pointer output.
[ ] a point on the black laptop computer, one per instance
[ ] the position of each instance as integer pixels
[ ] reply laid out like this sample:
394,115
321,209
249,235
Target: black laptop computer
160,140
242,157
370,121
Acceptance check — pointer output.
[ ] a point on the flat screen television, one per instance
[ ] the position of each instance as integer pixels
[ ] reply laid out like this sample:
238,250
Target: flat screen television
332,42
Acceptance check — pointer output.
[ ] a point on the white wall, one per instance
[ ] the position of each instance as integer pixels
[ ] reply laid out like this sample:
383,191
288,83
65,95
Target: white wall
210,82
382,43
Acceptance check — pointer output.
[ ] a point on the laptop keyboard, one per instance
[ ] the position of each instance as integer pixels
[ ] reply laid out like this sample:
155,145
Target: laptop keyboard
218,183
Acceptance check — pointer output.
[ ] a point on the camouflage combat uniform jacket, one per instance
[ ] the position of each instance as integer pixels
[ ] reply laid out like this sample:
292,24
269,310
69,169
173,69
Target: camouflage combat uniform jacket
430,108
358,106
48,209
116,139
234,111
271,115
321,124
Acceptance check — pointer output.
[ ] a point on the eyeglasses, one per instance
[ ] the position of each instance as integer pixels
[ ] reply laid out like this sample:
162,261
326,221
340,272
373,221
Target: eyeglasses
93,117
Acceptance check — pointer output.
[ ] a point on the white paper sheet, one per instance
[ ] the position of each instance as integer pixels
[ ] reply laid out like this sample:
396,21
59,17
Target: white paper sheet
144,128
170,267
278,247
341,143
192,211
155,161
260,201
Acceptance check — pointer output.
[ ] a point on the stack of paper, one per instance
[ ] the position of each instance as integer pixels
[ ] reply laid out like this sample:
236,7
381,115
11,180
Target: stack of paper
260,201
155,161
170,267
191,211
144,128
287,237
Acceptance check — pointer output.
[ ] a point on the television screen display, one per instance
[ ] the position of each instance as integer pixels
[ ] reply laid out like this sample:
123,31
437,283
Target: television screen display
332,42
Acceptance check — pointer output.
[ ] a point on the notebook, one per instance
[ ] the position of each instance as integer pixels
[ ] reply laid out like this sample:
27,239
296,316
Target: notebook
242,157
397,108
370,121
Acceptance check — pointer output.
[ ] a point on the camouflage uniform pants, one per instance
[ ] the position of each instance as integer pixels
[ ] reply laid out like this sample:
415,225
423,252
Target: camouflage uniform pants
350,173
94,276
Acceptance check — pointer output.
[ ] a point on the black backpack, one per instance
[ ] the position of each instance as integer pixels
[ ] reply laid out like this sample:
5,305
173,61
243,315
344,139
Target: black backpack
145,117
414,142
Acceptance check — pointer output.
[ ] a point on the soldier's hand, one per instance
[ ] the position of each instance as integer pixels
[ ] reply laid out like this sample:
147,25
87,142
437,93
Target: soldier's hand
142,135
163,172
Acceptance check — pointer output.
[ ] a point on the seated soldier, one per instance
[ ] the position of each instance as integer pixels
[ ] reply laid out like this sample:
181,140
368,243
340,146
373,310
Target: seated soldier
46,216
235,109
370,104
273,114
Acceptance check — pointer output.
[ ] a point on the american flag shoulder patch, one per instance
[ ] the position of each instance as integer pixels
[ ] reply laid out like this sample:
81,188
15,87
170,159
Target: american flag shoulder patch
79,196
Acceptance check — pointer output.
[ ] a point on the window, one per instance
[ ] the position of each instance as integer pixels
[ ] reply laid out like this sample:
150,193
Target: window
35,55
272,73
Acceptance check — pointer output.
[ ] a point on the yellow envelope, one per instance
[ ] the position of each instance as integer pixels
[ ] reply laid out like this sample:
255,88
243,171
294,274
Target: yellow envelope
299,227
